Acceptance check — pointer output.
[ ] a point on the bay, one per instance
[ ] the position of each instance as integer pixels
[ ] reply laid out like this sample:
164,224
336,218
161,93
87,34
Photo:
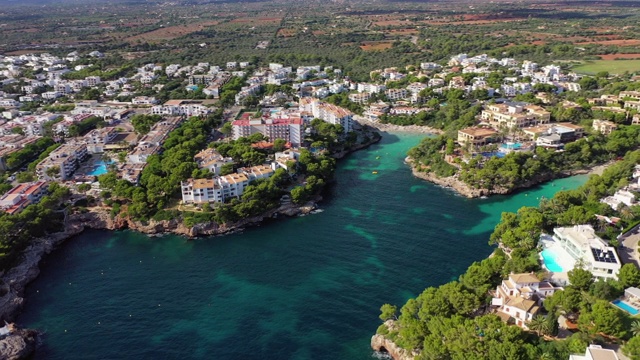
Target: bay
303,288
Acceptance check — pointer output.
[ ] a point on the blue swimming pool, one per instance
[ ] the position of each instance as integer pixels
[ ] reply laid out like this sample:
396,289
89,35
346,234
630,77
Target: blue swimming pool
492,154
99,168
626,307
514,146
550,260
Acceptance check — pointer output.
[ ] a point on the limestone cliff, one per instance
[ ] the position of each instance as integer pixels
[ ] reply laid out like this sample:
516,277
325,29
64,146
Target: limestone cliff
18,345
381,343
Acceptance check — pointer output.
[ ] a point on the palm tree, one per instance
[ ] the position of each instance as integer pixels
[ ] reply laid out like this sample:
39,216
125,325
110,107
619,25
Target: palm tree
635,327
546,356
537,324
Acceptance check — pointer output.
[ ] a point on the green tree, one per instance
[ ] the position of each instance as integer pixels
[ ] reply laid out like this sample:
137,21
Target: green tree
603,318
388,311
279,144
580,278
632,348
53,172
537,324
24,177
226,129
83,188
635,328
629,276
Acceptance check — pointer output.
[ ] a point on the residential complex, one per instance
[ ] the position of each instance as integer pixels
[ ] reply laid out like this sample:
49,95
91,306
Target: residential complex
327,112
62,162
289,129
221,188
514,115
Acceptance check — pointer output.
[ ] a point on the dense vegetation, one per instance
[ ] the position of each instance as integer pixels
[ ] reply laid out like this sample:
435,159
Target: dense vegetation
17,231
18,158
85,125
450,321
518,168
142,123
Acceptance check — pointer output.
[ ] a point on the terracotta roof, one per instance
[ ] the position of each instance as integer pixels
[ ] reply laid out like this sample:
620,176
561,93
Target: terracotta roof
524,278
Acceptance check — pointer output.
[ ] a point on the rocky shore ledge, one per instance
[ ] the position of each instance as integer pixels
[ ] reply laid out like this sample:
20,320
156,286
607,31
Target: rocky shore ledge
21,343
460,187
383,344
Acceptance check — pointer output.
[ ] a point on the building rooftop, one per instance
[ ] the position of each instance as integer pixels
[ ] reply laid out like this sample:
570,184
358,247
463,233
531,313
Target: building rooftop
478,131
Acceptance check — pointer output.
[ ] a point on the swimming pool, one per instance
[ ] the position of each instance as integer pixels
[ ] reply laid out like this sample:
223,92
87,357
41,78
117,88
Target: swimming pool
99,168
624,306
514,146
492,154
550,260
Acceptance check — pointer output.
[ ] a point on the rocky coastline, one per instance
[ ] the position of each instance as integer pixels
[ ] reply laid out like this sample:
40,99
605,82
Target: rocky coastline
382,344
461,188
21,343
419,129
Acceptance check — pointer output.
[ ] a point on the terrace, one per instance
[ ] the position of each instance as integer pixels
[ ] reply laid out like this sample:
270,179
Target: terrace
630,301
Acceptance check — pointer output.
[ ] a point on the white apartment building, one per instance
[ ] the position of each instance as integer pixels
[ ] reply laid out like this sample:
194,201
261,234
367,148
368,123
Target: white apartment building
221,188
396,94
328,112
288,129
66,159
97,139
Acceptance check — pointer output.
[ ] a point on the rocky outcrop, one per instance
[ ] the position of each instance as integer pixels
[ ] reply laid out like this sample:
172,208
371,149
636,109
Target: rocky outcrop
385,345
460,187
20,344
100,218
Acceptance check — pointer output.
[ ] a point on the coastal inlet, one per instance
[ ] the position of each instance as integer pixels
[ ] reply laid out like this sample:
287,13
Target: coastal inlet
303,288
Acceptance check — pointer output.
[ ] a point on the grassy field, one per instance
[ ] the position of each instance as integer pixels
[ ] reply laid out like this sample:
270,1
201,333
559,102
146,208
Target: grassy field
612,66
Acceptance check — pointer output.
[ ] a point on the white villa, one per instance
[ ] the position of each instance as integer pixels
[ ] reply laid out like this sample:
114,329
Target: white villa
596,352
580,242
520,297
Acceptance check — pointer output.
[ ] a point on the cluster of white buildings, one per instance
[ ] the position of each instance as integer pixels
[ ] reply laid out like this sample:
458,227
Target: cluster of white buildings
221,188
181,107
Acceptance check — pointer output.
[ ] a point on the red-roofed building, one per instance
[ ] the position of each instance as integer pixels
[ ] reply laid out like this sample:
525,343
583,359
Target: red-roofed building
289,129
16,199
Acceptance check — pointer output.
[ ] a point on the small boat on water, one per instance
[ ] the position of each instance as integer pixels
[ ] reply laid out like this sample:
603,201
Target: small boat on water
377,157
374,172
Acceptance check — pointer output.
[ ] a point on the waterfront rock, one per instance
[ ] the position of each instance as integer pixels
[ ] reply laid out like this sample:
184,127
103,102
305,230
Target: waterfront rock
460,187
20,344
382,344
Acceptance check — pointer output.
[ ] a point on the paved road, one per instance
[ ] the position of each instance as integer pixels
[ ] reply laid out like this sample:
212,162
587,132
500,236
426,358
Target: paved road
628,251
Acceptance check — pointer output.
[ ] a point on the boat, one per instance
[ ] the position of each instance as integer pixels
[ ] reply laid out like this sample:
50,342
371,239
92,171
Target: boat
377,157
374,172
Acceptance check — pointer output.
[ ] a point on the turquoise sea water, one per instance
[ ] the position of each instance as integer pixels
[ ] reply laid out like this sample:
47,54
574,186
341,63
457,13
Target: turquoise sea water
303,288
